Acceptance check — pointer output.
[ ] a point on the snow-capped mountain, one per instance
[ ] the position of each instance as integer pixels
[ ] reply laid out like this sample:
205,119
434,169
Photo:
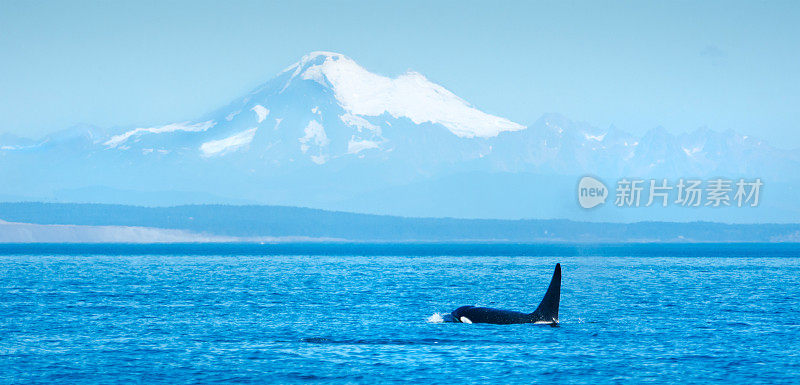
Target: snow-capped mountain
326,132
322,108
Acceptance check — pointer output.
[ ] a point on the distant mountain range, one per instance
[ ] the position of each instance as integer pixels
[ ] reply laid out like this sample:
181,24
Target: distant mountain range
93,223
327,133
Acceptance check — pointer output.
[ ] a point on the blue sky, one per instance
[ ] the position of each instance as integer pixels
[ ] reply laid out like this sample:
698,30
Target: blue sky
636,65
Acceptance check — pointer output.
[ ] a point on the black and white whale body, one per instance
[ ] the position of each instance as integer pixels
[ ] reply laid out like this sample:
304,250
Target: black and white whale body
546,313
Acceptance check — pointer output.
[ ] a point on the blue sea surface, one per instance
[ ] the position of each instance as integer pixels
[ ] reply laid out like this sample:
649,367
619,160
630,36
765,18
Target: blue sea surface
369,313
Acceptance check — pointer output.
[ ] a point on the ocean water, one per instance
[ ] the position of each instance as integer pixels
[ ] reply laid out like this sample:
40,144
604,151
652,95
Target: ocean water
337,313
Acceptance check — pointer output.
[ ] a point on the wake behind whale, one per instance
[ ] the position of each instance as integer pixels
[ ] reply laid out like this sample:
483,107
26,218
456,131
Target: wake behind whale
545,313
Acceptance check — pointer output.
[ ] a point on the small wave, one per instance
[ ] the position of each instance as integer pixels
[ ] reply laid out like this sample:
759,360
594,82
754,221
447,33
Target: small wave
374,341
316,340
436,318
738,324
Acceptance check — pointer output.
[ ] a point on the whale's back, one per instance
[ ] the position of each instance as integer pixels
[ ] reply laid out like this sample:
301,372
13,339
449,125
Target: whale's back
547,312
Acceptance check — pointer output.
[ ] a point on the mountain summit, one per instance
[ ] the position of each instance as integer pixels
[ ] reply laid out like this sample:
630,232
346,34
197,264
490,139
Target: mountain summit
362,93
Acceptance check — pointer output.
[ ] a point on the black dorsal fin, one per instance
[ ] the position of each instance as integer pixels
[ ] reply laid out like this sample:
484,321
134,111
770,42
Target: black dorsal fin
548,308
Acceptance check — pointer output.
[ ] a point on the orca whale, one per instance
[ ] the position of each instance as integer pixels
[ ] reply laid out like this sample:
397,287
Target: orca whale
546,313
